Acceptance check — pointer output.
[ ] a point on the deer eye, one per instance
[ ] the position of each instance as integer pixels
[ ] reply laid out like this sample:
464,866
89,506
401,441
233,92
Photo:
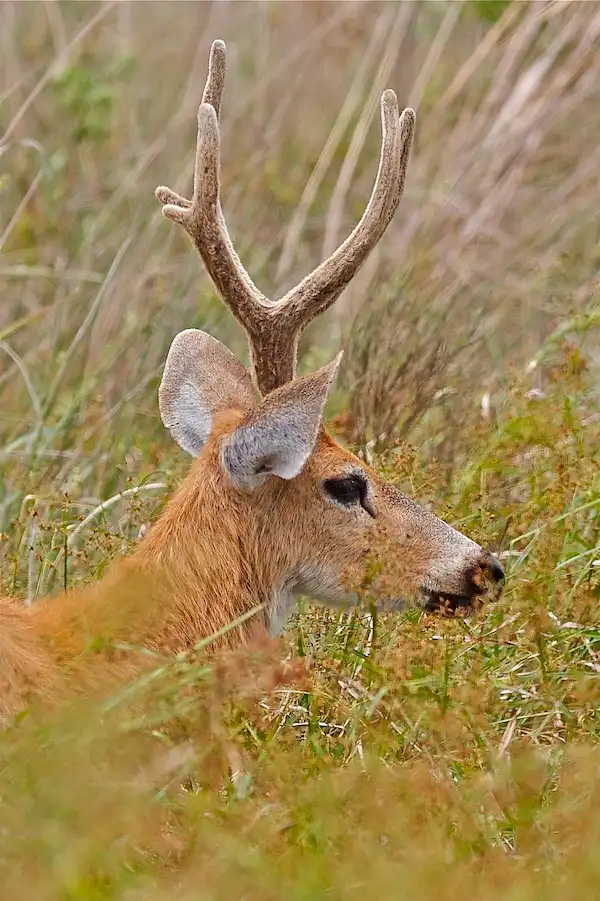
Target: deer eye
349,490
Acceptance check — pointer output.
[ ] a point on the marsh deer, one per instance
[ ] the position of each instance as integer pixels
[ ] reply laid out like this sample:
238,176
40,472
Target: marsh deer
272,507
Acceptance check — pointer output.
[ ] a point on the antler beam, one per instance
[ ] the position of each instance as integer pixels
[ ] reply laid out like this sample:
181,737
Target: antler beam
273,328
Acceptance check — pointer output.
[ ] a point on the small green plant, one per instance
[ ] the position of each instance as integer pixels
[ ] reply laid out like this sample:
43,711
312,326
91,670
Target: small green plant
489,11
87,97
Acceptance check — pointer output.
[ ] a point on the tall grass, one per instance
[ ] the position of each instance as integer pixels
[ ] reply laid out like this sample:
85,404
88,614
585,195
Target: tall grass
409,756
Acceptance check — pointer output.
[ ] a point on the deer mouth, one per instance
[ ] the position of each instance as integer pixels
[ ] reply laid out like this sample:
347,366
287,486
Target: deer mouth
450,604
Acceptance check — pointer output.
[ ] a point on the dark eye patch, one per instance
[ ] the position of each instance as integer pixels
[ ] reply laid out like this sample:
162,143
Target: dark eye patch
350,491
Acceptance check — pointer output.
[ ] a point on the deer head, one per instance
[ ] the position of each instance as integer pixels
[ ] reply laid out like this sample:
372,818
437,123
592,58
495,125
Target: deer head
311,517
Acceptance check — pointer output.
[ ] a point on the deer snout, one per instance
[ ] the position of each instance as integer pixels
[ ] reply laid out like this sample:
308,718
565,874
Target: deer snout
486,574
482,581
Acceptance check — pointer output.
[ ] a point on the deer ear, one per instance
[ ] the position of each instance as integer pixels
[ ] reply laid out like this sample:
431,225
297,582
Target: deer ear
201,377
278,437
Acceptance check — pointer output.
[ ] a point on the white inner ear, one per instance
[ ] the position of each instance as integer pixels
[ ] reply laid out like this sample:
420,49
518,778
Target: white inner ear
189,420
277,438
277,446
201,377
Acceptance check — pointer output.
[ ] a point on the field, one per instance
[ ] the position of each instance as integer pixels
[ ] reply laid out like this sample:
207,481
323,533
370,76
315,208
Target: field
406,756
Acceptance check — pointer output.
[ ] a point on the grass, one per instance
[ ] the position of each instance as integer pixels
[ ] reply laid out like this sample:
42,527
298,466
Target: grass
408,756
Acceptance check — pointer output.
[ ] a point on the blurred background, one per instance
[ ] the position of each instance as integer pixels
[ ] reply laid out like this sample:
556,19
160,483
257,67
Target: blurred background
469,378
494,248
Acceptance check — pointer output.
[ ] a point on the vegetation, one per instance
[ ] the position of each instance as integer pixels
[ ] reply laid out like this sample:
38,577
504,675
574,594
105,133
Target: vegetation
409,756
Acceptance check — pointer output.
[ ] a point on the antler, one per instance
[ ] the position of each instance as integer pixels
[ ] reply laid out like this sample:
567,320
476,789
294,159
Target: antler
273,327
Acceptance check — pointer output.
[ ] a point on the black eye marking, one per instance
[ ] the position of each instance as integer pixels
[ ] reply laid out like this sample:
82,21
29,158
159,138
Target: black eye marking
349,491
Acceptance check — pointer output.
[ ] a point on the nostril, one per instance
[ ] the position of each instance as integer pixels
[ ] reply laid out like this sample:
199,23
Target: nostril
496,570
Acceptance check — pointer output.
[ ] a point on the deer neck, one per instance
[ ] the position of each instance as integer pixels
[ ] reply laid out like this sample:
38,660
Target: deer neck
210,550
207,561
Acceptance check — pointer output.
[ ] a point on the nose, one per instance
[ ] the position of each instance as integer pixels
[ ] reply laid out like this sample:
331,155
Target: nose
487,573
496,573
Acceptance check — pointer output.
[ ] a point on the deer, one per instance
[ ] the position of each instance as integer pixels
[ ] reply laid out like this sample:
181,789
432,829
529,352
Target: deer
272,507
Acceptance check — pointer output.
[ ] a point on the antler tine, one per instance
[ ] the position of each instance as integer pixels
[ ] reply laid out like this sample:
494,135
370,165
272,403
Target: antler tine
321,288
215,80
273,328
202,217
